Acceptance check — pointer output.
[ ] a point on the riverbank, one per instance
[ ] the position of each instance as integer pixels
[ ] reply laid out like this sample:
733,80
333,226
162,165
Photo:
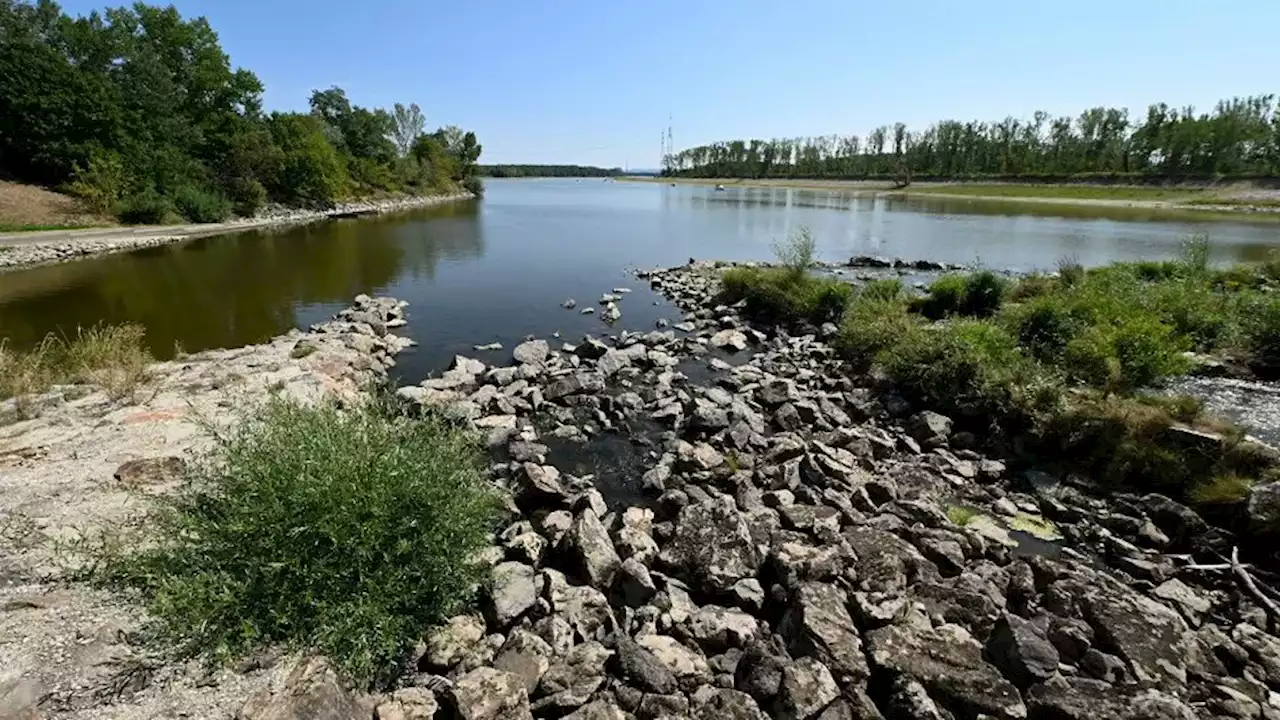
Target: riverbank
36,248
1225,202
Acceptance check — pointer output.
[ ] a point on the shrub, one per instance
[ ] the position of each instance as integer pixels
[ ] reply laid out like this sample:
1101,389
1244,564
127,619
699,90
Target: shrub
201,206
983,292
884,289
1031,287
1127,355
146,208
1122,442
1226,489
796,252
778,295
1262,336
1070,272
946,296
114,357
871,325
1045,326
347,532
101,182
247,195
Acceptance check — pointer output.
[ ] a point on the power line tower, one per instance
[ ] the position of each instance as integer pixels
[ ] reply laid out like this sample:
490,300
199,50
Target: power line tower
668,148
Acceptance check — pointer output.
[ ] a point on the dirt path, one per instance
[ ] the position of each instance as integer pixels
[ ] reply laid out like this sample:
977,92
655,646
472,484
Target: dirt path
87,462
34,248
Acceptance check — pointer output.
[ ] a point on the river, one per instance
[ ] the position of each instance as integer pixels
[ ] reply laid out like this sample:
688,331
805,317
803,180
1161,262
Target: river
497,269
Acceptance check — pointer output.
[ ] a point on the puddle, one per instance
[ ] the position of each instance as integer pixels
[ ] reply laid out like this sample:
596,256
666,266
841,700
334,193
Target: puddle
617,460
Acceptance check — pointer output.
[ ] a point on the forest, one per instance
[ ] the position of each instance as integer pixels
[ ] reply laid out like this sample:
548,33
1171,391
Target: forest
519,171
1239,139
140,113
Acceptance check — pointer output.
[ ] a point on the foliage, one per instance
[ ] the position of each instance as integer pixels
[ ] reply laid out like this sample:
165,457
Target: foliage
780,295
147,208
883,289
870,325
113,357
796,252
961,515
134,102
201,206
975,295
1102,145
1262,336
1221,490
348,532
575,171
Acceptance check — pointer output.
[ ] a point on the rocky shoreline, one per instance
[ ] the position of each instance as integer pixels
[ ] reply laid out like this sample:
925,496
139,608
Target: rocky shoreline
808,548
29,249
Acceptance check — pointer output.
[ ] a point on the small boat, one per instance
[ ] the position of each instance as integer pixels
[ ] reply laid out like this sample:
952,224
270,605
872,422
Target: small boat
719,188
673,184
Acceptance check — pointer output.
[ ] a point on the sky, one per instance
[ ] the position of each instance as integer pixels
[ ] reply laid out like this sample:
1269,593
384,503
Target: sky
594,81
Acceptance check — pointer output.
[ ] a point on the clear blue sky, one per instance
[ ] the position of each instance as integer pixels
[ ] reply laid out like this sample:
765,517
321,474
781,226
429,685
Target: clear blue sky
592,81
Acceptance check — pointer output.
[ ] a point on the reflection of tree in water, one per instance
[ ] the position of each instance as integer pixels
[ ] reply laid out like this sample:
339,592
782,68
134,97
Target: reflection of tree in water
232,290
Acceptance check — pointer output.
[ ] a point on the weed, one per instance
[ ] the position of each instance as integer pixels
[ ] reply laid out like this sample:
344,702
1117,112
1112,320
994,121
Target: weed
796,253
1221,490
113,357
778,295
883,290
347,532
1070,271
961,515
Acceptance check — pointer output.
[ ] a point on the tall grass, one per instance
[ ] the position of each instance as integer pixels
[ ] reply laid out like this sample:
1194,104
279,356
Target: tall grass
114,357
347,532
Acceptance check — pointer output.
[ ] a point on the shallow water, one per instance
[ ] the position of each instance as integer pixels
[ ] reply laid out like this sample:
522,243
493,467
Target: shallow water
498,269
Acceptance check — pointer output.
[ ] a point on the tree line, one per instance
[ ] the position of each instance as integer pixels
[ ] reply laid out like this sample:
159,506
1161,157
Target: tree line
518,171
1240,138
141,113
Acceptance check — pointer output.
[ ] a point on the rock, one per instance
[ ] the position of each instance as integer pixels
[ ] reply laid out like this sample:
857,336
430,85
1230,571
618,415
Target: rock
572,680
635,583
717,629
712,545
930,429
662,707
312,691
598,710
590,551
908,699
585,609
150,471
643,669
1072,638
1189,602
1103,666
514,590
612,361
1264,508
1065,698
787,418
611,313
1148,635
1022,651
469,366
759,672
686,664
886,562
539,487
635,540
569,304
411,703
748,594
818,625
448,644
725,704
487,347
806,688
489,694
588,311
733,340
532,352
705,457
591,349
577,383
947,662
526,656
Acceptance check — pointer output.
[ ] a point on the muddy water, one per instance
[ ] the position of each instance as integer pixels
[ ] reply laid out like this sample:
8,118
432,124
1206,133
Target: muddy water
498,269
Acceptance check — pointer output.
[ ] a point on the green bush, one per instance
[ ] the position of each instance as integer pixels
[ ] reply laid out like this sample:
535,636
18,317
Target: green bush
1262,336
1030,287
146,208
778,295
1070,272
474,185
247,195
946,297
983,292
870,325
1045,326
201,206
344,531
1125,356
796,253
884,289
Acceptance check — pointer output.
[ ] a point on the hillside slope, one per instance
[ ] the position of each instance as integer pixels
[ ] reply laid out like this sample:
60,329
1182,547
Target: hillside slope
32,207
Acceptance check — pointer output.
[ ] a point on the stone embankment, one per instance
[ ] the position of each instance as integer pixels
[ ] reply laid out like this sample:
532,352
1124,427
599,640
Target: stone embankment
810,548
74,460
22,249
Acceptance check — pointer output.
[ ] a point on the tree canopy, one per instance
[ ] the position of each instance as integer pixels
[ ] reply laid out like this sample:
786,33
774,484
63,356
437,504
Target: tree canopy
141,112
517,171
1240,138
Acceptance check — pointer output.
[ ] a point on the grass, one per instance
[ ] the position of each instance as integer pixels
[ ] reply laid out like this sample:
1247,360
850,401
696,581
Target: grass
789,293
1066,192
1236,202
114,357
346,532
961,515
19,227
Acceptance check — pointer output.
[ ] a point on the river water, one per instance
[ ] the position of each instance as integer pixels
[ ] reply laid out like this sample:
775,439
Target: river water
499,268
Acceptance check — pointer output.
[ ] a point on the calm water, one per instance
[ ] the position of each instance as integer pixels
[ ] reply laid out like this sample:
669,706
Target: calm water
498,269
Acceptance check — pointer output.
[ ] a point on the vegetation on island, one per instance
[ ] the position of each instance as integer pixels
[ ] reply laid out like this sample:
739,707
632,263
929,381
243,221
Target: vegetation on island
345,531
1239,139
519,171
1066,362
140,113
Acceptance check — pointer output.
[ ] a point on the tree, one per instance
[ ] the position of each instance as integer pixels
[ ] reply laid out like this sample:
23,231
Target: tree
409,125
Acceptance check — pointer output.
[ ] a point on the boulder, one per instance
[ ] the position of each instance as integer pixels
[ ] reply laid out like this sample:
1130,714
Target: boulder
516,587
1178,522
712,545
577,383
590,551
759,672
538,486
724,704
598,710
612,361
150,471
806,689
686,664
584,608
311,691
948,663
818,625
411,703
1149,636
717,629
930,429
1022,651
730,339
640,667
572,679
532,352
526,656
1075,698
1264,508
489,694
448,644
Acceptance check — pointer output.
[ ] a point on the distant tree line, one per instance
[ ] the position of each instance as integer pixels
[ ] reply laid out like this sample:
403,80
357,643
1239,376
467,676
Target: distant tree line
1240,138
141,113
517,171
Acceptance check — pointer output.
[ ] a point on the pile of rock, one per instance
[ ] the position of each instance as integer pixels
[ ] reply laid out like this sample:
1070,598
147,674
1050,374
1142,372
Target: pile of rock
797,560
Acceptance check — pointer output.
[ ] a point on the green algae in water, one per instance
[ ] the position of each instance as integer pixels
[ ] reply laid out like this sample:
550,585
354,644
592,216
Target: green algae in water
1036,526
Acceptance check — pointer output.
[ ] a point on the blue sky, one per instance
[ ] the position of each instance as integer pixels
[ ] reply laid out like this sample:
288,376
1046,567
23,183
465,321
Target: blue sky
592,82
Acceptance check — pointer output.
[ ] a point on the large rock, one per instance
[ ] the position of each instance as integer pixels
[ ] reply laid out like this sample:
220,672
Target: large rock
539,487
584,608
1178,522
686,664
947,662
712,545
818,625
730,339
1077,698
573,679
717,629
1264,508
930,429
448,644
642,668
1022,651
591,551
533,352
582,382
310,692
723,704
885,561
1149,636
612,361
759,672
525,655
806,689
489,694
515,589
598,710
